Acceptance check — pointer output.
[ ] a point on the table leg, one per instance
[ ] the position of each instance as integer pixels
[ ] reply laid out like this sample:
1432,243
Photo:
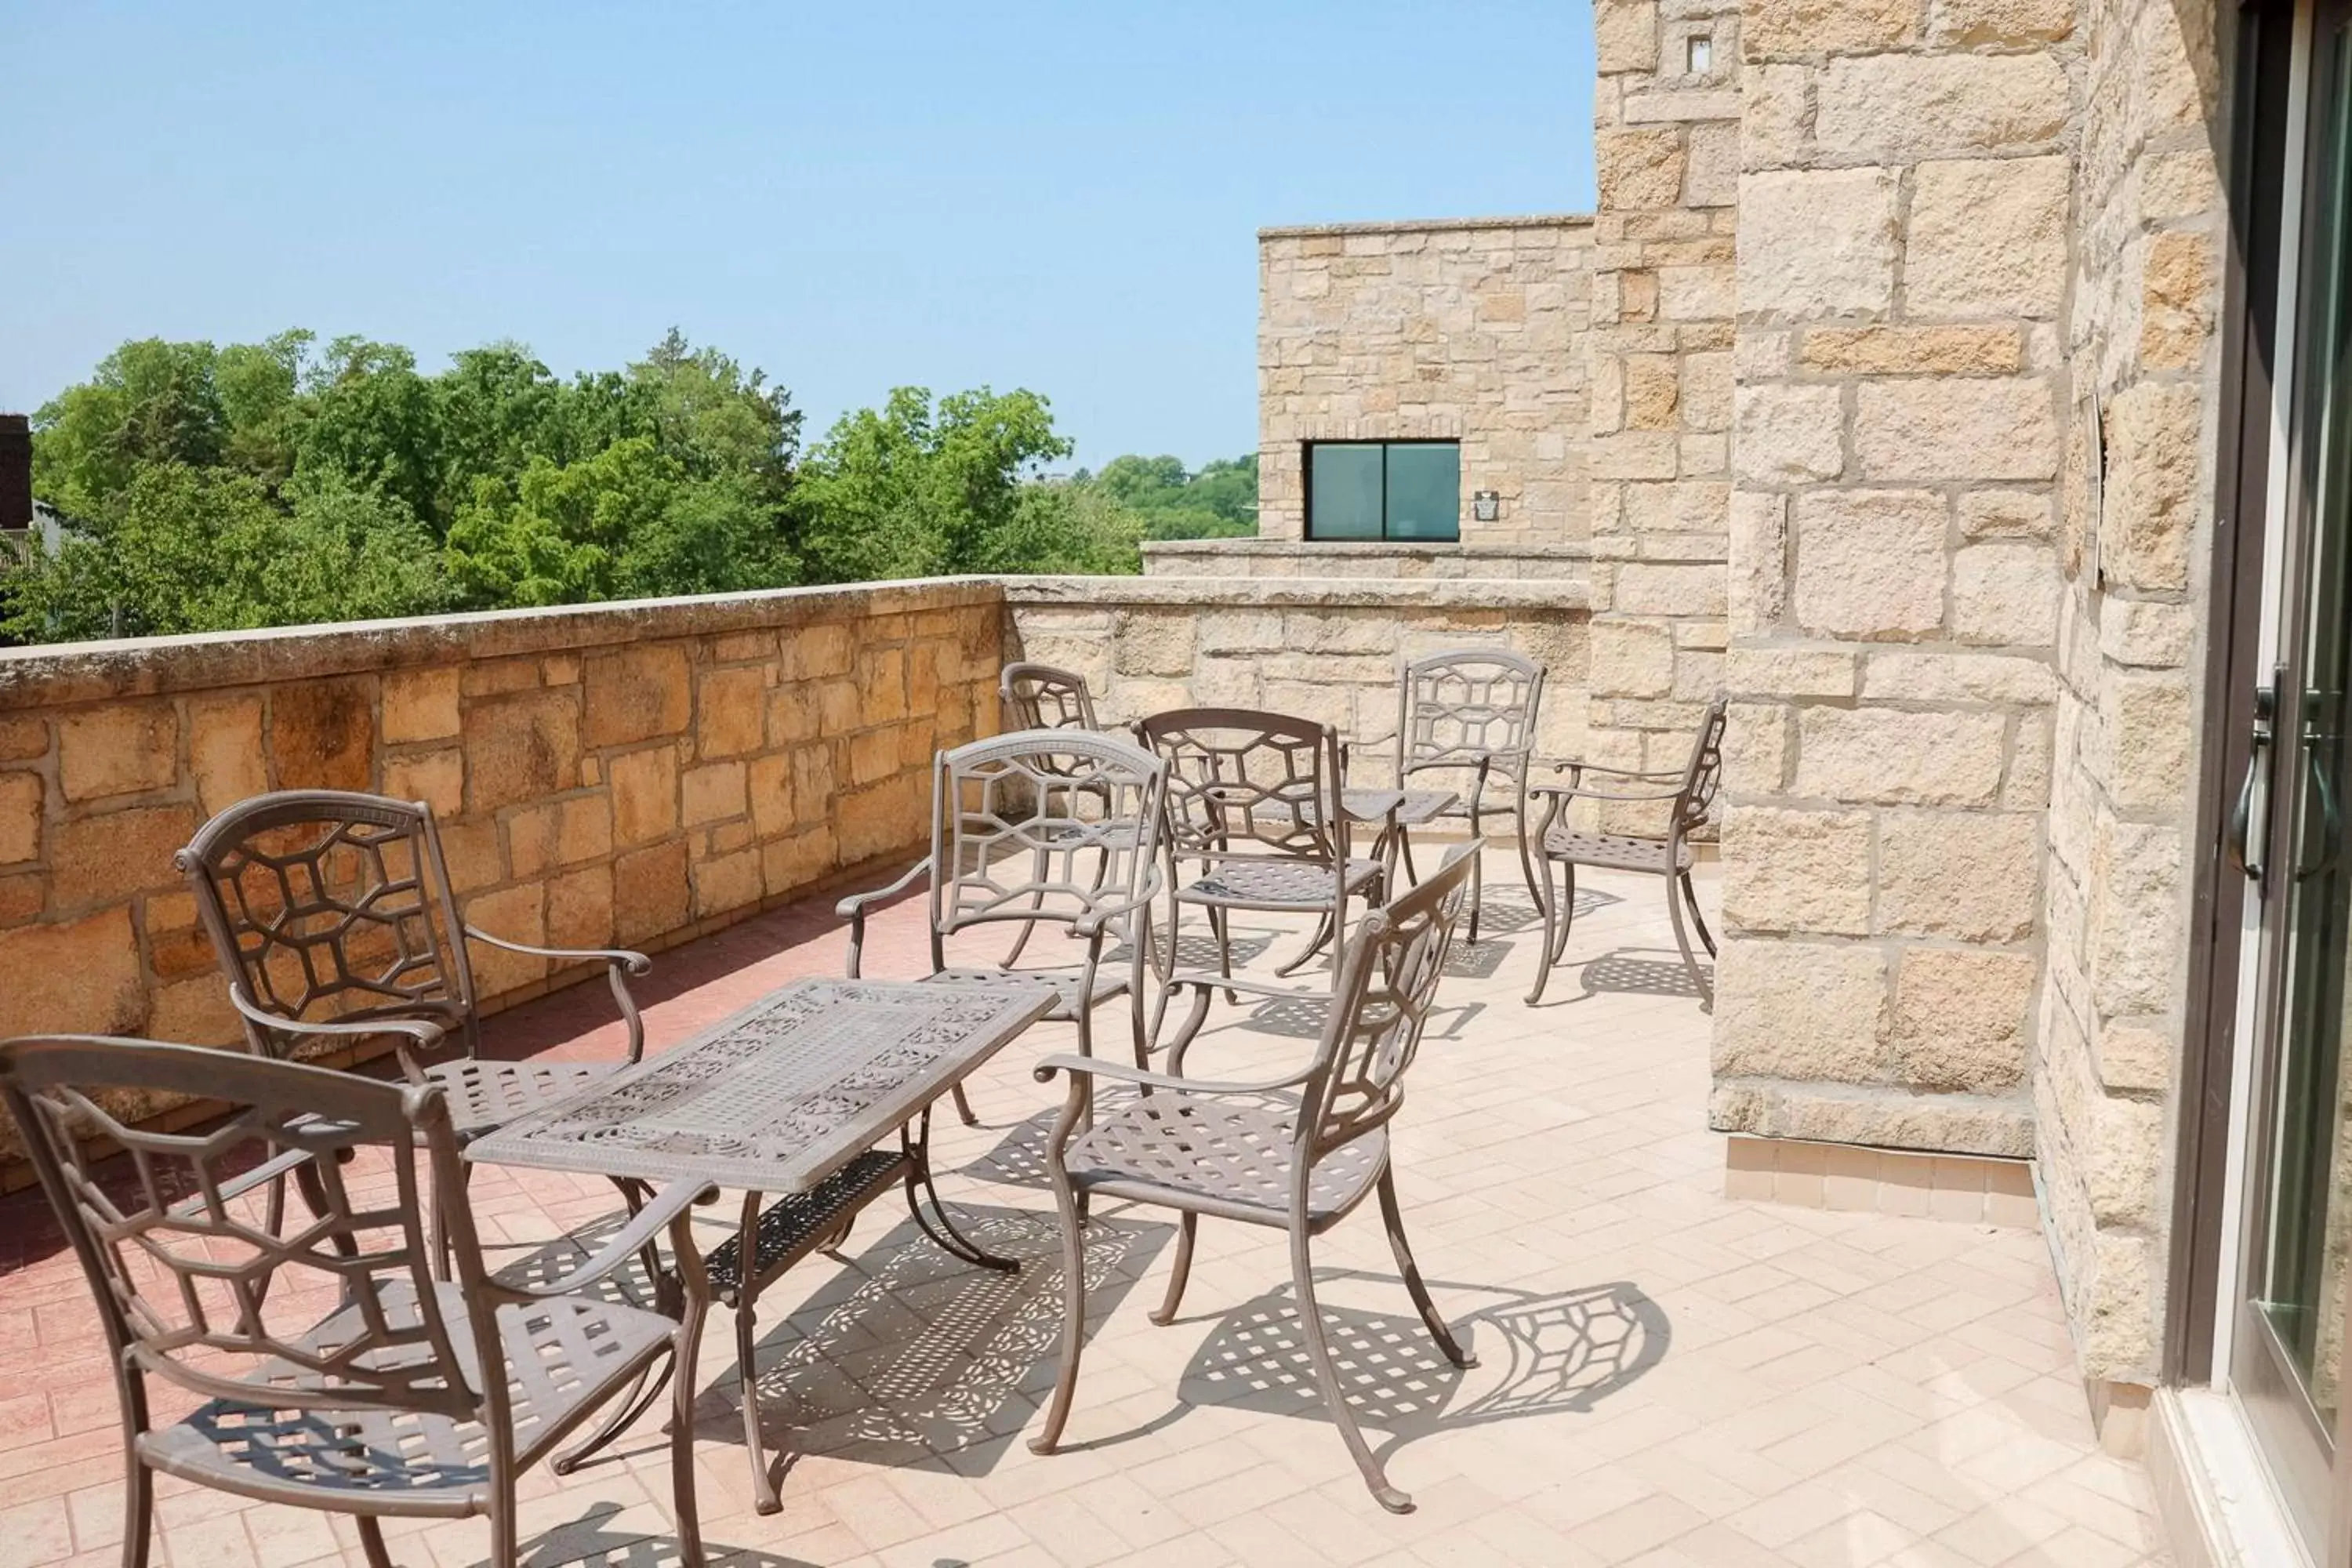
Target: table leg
937,1225
668,1301
764,1497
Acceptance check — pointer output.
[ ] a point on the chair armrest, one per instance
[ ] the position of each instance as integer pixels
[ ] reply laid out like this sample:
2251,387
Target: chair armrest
421,1032
1653,776
1247,987
853,907
1095,1067
1092,923
1579,792
620,958
631,1239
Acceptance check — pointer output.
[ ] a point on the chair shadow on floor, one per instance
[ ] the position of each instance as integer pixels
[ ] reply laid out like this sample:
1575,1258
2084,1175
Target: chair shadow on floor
1508,911
910,1357
1561,1352
592,1543
1628,971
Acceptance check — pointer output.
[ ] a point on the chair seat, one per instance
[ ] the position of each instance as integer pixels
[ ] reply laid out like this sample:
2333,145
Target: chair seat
1272,882
1613,851
1223,1154
1068,983
487,1095
564,1356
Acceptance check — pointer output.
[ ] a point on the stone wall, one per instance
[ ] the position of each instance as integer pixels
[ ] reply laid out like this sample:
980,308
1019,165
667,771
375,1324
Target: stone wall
2132,615
1304,558
1469,330
1901,403
1325,650
629,773
1665,151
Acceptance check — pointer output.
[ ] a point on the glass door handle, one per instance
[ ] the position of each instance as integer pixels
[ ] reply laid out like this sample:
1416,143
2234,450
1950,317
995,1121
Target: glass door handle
2331,811
2241,816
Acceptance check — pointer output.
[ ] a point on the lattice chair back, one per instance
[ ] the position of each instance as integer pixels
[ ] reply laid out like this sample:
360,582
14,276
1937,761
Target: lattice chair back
325,904
1046,824
203,1281
1704,775
1380,1005
1242,784
1465,707
1040,697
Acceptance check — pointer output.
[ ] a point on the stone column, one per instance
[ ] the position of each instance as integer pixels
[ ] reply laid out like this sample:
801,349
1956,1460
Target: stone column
1666,143
1894,588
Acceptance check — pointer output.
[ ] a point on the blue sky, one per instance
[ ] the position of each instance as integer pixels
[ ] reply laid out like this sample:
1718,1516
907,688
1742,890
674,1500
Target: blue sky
852,196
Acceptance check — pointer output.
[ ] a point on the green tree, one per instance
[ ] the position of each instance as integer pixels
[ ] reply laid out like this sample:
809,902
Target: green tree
374,421
1218,503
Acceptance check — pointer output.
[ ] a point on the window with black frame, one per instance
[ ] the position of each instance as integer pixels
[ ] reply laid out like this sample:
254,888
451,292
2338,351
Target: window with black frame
1377,491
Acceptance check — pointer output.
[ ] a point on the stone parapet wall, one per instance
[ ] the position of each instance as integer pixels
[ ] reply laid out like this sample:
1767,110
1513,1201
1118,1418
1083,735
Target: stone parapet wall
1468,330
1298,558
1324,651
623,774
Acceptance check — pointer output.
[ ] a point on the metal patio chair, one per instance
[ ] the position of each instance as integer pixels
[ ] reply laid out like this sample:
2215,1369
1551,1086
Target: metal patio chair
1254,798
1040,697
1296,1153
1689,796
1467,710
332,917
336,1372
1057,827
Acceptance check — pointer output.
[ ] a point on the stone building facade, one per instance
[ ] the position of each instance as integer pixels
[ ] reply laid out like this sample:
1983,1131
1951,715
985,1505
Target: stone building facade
1906,366
1467,331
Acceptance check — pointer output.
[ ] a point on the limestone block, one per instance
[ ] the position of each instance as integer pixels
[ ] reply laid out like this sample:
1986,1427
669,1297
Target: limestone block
644,792
726,882
1817,243
98,860
1899,758
2152,491
1899,108
1773,101
1150,643
1686,506
2005,514
580,907
322,734
881,818
1787,672
1903,676
1968,23
226,753
643,692
1968,875
1800,1010
1706,392
121,748
810,653
1755,749
2135,870
1647,589
2124,1171
1784,435
1958,428
1914,350
1960,1018
436,777
2006,594
2178,300
559,833
2146,633
1631,658
650,892
1634,455
518,748
1774,28
1870,564
1806,872
2148,723
730,707
195,1012
519,914
80,977
1652,391
1637,169
1625,36
1987,238
789,866
1759,550
420,705
20,816
710,793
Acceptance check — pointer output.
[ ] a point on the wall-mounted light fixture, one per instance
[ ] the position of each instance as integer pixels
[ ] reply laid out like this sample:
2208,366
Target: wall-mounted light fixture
1698,53
1486,506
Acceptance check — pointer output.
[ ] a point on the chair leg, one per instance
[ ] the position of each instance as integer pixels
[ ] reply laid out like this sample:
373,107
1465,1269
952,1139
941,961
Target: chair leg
1682,940
1556,916
963,1107
1690,896
371,1542
1393,1219
506,1530
1567,907
1074,1313
1319,1350
1477,885
1405,848
681,1440
1186,1225
138,1512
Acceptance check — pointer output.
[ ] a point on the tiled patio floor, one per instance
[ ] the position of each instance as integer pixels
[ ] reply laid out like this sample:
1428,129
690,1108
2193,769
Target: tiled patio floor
1667,1378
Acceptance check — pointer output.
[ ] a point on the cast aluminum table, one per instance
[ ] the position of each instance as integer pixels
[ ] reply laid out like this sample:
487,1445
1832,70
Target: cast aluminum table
791,1097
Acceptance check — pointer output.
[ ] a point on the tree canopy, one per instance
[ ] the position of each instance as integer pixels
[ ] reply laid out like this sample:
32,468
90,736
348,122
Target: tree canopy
210,489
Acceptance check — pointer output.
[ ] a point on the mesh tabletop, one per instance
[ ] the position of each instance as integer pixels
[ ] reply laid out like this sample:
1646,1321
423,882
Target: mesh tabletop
781,1095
